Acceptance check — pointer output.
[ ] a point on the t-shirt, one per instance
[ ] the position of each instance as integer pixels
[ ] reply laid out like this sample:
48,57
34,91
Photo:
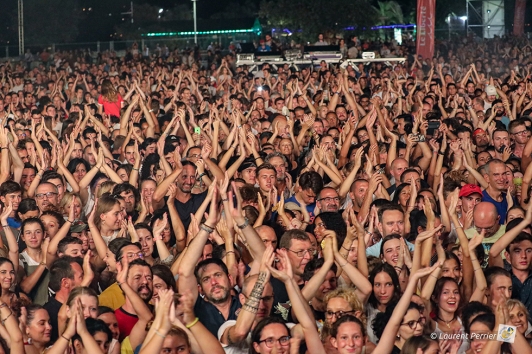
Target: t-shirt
111,108
502,207
112,297
310,207
190,207
126,322
487,242
211,317
53,306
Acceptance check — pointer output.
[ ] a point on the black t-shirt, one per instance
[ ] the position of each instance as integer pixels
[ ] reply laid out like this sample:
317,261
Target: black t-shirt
190,207
53,306
211,317
282,307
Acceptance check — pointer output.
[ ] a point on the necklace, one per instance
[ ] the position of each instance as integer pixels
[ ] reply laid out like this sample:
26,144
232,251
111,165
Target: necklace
447,323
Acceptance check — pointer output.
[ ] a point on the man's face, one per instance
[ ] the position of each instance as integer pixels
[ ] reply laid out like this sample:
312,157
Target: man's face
23,154
397,169
359,192
140,279
496,176
28,174
74,250
89,156
500,287
265,303
308,196
328,200
130,154
215,284
129,198
249,175
412,175
60,187
520,134
520,255
193,155
481,139
500,138
469,202
318,127
280,167
185,180
392,223
78,273
46,197
266,179
299,263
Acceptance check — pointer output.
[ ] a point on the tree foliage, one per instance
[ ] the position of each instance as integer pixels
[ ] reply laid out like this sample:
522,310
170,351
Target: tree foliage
316,16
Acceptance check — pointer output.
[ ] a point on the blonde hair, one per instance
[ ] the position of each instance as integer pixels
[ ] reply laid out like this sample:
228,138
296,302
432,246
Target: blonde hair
349,295
511,303
66,200
105,187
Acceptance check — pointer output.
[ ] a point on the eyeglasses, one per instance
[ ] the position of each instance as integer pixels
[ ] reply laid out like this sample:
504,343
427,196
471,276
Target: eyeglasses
132,255
479,229
47,195
522,132
329,199
337,314
269,342
301,254
412,324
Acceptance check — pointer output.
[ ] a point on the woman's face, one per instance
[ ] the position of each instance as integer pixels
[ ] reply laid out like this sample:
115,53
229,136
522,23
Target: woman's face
451,269
166,234
89,304
40,328
412,325
273,331
7,275
175,345
449,298
51,226
319,229
479,332
514,214
286,147
33,235
110,260
334,306
349,339
80,172
113,217
404,196
391,250
158,285
383,288
77,208
517,318
102,340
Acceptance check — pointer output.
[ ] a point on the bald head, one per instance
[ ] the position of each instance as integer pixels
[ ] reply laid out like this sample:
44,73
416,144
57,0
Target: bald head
486,218
267,235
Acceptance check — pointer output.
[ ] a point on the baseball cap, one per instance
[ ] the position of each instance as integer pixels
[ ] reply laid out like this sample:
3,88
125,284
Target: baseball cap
292,206
78,226
469,189
479,131
491,91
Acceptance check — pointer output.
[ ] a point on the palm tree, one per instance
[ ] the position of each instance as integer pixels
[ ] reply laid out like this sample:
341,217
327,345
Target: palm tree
390,12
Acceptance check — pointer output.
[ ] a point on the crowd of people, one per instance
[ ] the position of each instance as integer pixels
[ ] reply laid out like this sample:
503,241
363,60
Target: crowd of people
152,205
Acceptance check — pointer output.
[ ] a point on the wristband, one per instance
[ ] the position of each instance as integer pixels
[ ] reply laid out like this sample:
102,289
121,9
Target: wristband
192,324
206,228
200,176
65,338
160,334
244,225
69,221
441,153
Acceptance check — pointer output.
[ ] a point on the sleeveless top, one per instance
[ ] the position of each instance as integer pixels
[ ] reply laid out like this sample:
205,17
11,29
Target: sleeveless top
39,293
